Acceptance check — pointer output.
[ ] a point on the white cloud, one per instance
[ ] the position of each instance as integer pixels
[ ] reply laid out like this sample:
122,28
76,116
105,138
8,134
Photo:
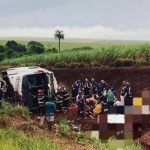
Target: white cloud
94,32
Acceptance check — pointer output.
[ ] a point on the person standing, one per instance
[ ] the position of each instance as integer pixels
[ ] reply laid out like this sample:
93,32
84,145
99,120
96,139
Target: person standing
50,109
80,100
110,98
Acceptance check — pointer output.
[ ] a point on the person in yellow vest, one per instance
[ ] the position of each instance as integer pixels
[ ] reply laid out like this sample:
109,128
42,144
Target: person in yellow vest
98,108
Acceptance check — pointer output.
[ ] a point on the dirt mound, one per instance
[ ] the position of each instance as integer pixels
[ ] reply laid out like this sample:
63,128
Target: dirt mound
138,76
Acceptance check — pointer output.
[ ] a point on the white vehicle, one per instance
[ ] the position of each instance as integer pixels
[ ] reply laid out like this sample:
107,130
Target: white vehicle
24,82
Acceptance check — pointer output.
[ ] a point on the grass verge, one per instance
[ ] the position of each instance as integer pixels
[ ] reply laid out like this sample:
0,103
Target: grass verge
110,144
13,110
11,139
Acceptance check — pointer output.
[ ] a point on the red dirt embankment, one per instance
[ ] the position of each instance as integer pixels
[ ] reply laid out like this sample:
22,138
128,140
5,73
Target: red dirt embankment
31,127
139,77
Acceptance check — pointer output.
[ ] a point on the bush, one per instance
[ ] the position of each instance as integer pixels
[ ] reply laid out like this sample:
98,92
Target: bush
124,63
10,53
61,65
11,110
82,48
2,56
35,47
53,50
2,49
11,45
15,46
21,48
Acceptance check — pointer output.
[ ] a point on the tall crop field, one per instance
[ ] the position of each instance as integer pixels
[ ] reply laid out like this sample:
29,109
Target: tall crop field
74,53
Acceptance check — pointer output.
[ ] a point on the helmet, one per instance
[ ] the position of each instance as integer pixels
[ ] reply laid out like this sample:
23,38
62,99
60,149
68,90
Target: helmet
40,91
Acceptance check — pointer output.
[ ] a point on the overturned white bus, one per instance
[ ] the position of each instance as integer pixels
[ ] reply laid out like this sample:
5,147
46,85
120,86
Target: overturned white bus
24,82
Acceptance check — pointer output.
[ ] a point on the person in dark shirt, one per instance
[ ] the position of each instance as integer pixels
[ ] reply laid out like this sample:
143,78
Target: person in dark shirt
75,88
80,100
128,95
94,87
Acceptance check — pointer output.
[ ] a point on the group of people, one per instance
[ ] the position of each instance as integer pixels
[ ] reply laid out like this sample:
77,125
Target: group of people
92,97
90,88
89,98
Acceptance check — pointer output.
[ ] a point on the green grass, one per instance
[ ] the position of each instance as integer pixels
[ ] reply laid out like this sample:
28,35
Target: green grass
110,144
15,140
10,110
113,144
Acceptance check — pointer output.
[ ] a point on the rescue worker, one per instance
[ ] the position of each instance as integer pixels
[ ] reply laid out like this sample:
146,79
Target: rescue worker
41,100
80,100
75,88
59,99
66,99
87,88
94,87
50,109
128,98
104,85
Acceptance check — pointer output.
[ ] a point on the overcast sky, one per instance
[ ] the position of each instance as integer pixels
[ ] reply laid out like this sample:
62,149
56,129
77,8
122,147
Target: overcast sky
97,19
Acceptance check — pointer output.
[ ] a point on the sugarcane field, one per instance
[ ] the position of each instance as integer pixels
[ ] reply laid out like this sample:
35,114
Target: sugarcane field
74,75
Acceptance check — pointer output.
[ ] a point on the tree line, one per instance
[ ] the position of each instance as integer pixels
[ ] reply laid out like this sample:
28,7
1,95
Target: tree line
13,49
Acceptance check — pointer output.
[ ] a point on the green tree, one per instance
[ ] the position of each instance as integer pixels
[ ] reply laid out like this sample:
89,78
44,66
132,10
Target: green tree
2,56
35,47
15,46
10,53
59,35
2,49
